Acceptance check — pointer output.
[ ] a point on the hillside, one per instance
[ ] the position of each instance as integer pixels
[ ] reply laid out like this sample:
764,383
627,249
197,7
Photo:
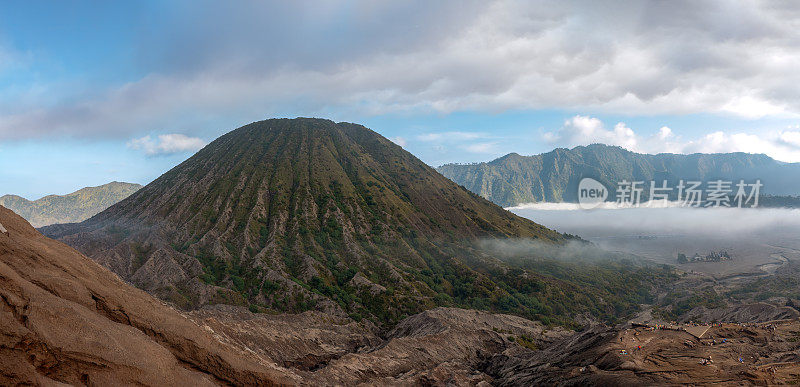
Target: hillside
292,215
554,176
71,208
64,318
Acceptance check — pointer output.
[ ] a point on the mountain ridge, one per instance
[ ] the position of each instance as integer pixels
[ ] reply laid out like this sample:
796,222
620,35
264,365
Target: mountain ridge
553,176
69,208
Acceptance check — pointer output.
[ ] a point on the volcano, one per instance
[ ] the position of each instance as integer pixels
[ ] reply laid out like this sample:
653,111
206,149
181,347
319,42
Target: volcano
295,214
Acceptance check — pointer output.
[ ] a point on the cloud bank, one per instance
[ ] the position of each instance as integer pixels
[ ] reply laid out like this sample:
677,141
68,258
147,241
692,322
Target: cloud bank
250,59
708,222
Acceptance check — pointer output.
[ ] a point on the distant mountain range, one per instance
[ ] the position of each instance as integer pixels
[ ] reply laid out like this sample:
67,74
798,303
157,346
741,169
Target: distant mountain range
292,215
554,176
71,208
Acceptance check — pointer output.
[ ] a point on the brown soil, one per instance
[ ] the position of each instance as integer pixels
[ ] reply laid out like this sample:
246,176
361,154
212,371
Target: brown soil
64,318
750,354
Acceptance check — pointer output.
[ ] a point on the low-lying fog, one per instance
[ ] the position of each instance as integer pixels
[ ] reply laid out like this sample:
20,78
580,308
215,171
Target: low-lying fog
756,238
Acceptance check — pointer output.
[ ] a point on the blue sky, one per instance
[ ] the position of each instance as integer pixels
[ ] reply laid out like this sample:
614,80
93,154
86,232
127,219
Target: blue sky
94,91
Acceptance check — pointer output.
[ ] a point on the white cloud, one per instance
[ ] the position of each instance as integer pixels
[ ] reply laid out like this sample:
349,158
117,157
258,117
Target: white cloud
482,147
584,130
399,141
664,133
473,142
791,138
450,136
166,144
780,146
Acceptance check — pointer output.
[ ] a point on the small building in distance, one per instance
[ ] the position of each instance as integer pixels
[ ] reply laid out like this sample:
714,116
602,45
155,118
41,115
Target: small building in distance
713,256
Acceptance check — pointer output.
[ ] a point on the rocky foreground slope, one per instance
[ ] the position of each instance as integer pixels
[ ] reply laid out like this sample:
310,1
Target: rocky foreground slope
437,347
63,318
724,354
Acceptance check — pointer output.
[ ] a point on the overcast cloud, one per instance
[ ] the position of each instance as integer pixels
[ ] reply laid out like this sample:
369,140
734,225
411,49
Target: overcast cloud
248,59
